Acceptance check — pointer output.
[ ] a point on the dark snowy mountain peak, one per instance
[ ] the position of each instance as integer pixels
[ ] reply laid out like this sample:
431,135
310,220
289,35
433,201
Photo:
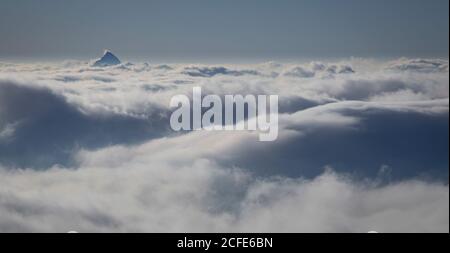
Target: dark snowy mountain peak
108,59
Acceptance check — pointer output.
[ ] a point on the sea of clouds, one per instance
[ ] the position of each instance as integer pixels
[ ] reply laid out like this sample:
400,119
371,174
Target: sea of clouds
363,145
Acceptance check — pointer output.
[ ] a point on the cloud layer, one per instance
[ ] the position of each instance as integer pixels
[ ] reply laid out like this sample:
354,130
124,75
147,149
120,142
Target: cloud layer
363,145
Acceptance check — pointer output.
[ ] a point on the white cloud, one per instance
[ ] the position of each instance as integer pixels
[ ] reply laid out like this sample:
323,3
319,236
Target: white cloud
205,198
7,131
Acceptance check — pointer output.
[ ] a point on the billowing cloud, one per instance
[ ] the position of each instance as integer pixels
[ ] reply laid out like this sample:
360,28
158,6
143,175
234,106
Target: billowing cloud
419,65
203,197
318,69
212,71
39,128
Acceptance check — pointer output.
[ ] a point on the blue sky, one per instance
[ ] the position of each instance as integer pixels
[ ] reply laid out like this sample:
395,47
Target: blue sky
224,29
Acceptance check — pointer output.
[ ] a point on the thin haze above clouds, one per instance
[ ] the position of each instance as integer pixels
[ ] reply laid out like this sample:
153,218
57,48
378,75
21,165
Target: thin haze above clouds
363,145
202,30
